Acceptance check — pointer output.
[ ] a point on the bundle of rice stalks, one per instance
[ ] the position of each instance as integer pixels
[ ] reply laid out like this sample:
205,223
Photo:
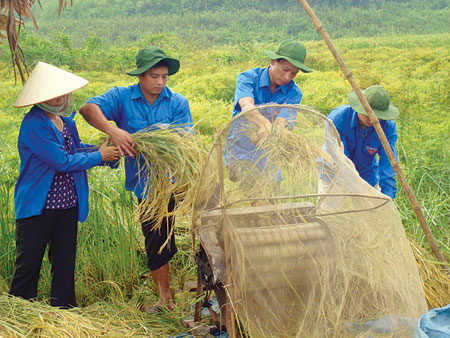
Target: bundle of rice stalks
172,163
436,282
287,149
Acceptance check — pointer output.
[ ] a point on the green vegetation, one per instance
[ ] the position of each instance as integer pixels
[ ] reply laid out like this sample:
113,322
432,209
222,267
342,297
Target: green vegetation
208,22
111,271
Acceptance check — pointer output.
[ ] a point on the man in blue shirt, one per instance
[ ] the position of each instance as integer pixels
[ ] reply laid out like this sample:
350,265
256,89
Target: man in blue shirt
246,163
361,142
133,108
258,86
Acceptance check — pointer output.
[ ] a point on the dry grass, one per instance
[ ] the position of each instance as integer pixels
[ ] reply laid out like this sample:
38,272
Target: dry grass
436,282
21,318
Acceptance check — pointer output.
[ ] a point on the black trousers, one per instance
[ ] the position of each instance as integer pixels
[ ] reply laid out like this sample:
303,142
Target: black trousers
155,239
58,228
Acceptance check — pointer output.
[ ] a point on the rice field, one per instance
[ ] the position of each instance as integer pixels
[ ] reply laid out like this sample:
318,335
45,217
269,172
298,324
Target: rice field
111,276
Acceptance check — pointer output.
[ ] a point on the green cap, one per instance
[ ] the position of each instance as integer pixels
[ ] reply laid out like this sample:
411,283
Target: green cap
149,56
379,101
292,51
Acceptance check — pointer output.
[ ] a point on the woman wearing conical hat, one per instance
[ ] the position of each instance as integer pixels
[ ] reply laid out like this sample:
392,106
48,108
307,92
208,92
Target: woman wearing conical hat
51,193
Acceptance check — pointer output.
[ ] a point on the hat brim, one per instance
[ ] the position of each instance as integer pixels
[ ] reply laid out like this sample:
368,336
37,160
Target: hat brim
47,82
174,66
273,56
389,114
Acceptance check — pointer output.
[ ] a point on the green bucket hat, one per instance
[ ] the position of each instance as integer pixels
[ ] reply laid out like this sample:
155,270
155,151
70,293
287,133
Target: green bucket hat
379,101
147,57
292,51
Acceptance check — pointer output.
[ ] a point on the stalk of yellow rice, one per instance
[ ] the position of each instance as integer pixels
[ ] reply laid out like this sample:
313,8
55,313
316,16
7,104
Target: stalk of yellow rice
173,158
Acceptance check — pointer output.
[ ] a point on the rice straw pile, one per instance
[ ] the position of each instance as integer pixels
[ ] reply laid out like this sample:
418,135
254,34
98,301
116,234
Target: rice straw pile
21,318
436,282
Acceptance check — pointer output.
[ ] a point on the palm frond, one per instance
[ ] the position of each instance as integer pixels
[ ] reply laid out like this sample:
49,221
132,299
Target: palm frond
12,13
63,5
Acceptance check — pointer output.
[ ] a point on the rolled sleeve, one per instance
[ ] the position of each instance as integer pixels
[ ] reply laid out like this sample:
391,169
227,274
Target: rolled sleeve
244,88
109,103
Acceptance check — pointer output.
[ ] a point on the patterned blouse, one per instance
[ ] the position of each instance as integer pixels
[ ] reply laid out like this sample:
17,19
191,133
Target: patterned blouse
62,193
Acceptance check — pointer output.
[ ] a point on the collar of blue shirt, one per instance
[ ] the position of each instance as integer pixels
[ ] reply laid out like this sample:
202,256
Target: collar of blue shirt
136,93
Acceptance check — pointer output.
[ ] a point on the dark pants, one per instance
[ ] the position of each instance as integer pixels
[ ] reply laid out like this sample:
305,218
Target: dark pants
155,239
58,228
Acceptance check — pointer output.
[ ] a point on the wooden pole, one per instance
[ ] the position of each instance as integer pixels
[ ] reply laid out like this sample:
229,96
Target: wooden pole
230,320
376,123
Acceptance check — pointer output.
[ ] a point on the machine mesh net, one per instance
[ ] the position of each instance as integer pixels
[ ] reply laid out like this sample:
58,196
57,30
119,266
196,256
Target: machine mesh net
303,246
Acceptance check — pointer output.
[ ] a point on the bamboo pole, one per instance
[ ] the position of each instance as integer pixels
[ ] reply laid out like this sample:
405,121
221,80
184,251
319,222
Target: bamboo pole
376,123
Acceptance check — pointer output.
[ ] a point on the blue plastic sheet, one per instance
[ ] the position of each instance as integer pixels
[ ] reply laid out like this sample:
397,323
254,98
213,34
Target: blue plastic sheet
434,324
184,335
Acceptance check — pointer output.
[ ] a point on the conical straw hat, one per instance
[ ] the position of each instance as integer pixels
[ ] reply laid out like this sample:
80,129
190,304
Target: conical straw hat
47,82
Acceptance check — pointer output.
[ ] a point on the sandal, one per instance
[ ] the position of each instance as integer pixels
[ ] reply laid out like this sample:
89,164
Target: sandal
155,309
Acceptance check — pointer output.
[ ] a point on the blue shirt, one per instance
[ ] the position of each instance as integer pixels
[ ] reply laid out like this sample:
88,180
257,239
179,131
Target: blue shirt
128,108
255,83
361,146
42,154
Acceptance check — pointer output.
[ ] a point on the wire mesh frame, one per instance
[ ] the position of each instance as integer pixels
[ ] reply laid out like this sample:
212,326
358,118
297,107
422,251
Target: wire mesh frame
223,204
218,147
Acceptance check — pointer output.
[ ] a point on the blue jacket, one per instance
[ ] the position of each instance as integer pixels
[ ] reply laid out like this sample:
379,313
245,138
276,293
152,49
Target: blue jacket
128,108
255,83
362,147
42,154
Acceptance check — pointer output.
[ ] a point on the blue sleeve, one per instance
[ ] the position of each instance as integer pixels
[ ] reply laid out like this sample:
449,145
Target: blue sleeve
89,148
336,116
245,84
182,116
41,142
109,103
327,169
344,143
385,170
